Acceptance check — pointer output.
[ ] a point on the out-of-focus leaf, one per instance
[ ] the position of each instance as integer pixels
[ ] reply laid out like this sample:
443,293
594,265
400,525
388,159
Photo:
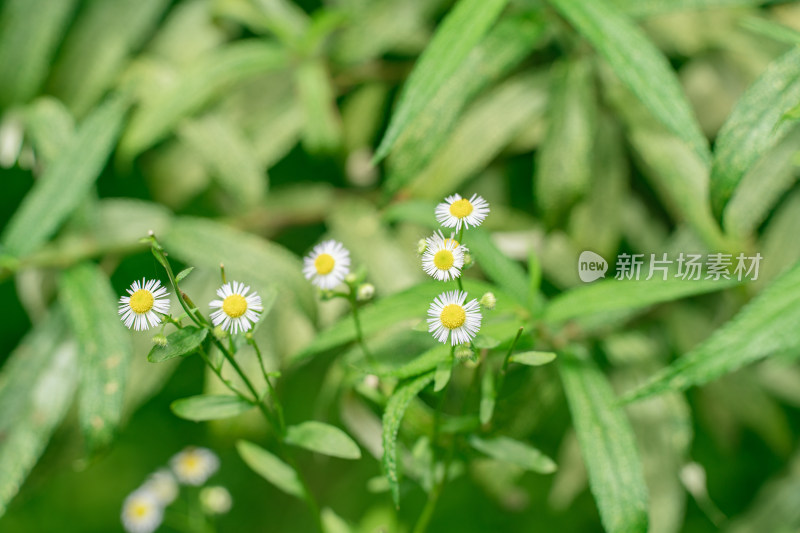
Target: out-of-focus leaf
210,407
85,70
36,387
533,358
513,451
204,243
486,127
179,343
646,8
639,64
607,444
507,273
392,416
284,18
30,31
500,51
230,156
563,162
778,241
770,29
205,79
754,126
444,370
618,295
50,127
488,396
765,326
457,35
323,125
105,350
270,468
323,438
333,523
482,341
66,181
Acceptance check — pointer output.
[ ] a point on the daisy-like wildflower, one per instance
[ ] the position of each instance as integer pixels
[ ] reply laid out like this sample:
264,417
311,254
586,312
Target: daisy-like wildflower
163,485
327,264
443,258
456,211
237,310
216,500
142,512
144,300
193,466
450,316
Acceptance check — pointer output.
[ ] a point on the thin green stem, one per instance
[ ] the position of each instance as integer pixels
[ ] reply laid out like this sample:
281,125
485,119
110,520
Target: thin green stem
273,394
502,377
357,320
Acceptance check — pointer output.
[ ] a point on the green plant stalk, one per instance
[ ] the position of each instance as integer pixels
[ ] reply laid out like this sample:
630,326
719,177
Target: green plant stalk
502,378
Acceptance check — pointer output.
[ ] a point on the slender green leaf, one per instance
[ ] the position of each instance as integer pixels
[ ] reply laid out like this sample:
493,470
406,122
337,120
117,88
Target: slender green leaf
442,375
333,523
607,445
506,272
639,64
50,127
183,274
488,395
66,181
483,341
182,342
772,30
619,295
270,468
513,451
755,125
646,8
533,358
105,350
392,416
210,407
323,438
765,326
457,35
37,383
323,125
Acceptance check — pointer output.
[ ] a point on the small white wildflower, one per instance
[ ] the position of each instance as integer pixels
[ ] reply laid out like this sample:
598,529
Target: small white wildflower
193,466
216,500
456,211
163,485
144,300
238,310
142,512
443,258
327,264
449,316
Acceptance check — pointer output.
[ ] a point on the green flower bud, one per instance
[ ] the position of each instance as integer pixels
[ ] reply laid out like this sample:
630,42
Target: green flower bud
422,245
365,292
463,352
160,340
488,301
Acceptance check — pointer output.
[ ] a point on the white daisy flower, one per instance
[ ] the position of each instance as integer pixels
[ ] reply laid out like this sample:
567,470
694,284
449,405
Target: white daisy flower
443,258
144,300
449,316
216,500
237,311
142,512
163,485
327,264
193,466
455,211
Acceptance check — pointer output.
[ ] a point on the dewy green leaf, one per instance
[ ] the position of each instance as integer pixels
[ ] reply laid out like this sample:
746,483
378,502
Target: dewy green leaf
765,326
755,125
607,445
513,451
457,35
210,407
270,468
323,438
105,350
638,63
179,343
533,358
392,416
66,181
619,295
37,383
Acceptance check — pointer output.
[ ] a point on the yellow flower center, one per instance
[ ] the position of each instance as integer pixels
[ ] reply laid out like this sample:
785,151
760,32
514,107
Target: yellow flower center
140,510
324,264
453,316
141,301
234,306
443,259
460,208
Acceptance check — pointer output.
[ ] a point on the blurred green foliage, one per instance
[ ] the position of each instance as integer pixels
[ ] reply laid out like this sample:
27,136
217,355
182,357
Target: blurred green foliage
244,131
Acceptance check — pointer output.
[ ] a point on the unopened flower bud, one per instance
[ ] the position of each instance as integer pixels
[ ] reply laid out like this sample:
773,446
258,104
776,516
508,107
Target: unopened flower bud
216,500
160,340
365,292
488,301
219,333
468,262
351,278
463,352
326,294
422,245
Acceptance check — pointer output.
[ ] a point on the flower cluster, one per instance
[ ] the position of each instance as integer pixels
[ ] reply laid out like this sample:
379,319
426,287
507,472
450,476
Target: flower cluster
444,258
143,509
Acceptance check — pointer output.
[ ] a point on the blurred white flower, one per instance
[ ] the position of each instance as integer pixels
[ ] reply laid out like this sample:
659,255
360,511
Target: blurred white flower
142,512
193,466
144,300
163,485
327,264
216,500
449,316
456,211
237,310
443,258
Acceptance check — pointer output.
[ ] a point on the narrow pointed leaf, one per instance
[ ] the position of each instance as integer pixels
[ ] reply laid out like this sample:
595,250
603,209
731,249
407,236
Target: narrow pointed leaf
488,396
270,468
210,407
533,358
513,451
323,438
179,343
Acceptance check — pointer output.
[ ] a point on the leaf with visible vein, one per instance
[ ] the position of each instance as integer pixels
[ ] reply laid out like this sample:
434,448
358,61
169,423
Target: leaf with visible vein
323,438
513,451
607,445
180,343
210,407
271,468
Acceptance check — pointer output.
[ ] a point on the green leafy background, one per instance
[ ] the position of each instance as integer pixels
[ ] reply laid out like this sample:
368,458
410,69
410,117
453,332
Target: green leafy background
245,131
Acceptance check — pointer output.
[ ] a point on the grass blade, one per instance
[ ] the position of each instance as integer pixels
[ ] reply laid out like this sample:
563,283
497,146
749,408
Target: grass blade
457,35
607,445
